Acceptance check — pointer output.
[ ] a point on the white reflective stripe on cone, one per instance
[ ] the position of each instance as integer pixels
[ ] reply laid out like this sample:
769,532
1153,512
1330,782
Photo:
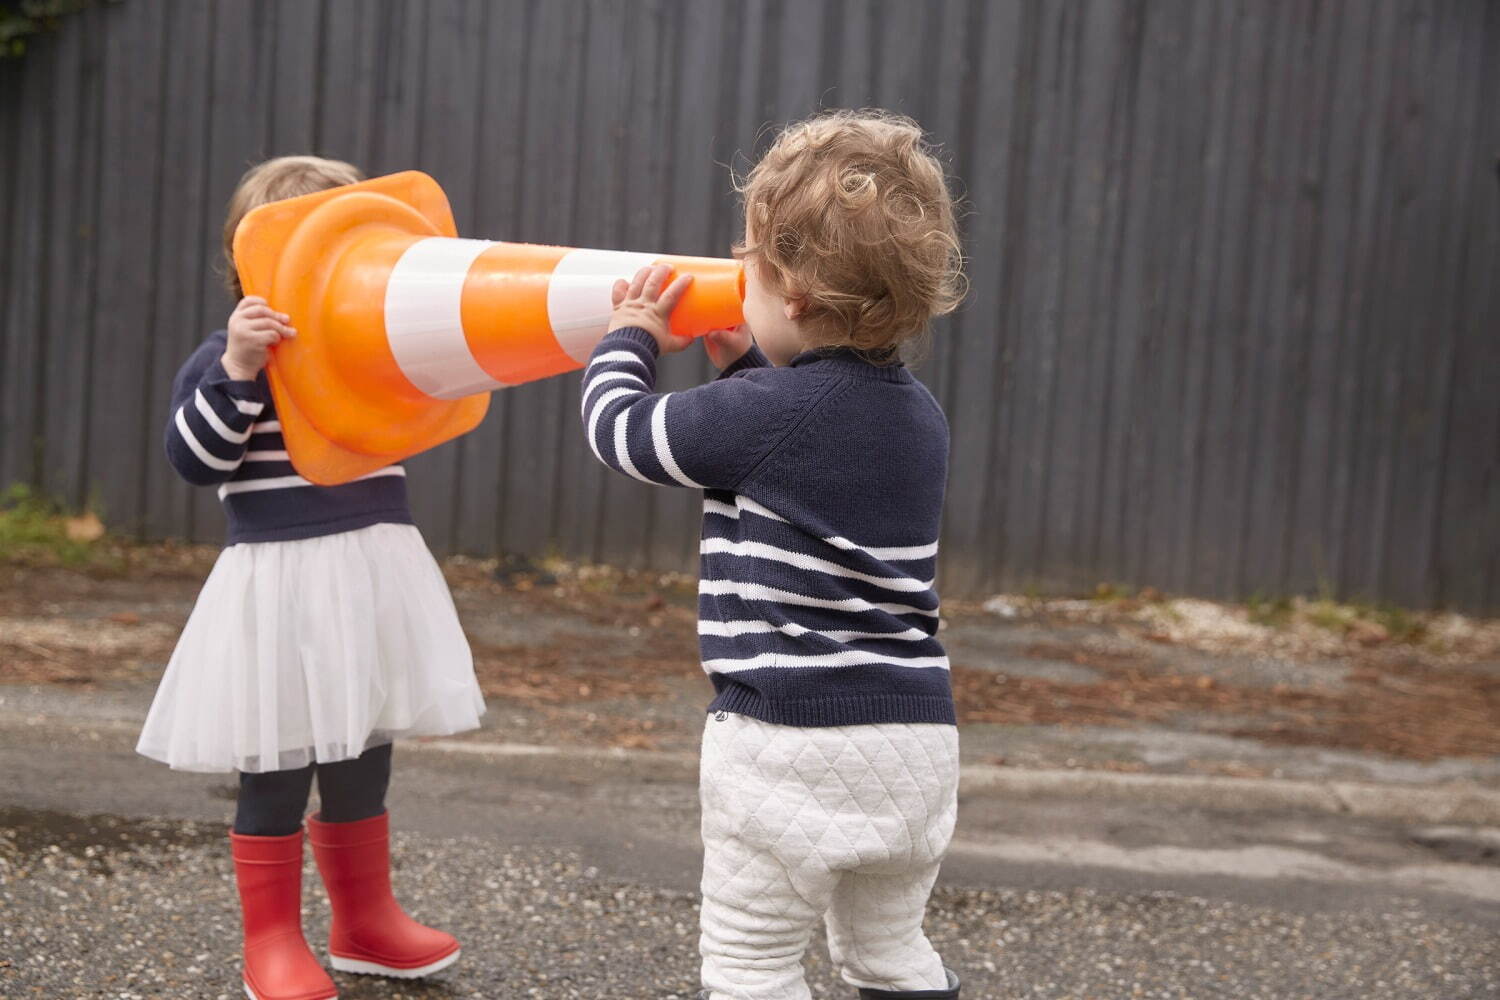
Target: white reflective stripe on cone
578,302
424,318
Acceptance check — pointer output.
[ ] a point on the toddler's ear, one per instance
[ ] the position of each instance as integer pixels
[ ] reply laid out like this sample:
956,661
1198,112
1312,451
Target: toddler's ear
795,307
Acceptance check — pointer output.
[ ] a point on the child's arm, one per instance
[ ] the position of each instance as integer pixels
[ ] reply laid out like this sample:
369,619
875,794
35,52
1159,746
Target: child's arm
708,437
211,417
216,396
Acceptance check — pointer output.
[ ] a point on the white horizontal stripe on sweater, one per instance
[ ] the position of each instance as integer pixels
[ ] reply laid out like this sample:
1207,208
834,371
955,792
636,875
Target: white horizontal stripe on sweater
266,456
744,503
760,592
664,447
760,550
292,482
894,553
730,629
204,455
606,378
266,427
616,357
847,658
720,508
897,553
622,445
594,414
219,426
249,407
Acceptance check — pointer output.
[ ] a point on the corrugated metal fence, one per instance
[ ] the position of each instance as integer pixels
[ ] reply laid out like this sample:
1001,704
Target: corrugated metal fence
1234,314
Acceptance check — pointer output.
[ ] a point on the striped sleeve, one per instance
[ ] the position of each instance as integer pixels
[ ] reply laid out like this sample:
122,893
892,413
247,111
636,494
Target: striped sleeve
209,426
707,437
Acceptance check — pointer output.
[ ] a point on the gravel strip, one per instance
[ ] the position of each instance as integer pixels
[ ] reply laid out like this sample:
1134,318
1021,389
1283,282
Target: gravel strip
129,910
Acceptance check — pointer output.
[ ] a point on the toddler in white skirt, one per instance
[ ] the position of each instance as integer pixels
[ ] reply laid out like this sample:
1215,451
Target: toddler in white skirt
324,632
830,757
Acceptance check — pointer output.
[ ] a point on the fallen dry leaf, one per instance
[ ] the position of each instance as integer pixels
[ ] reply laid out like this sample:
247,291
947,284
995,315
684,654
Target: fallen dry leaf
84,528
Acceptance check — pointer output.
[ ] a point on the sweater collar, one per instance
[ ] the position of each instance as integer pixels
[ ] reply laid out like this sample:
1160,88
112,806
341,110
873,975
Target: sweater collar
847,361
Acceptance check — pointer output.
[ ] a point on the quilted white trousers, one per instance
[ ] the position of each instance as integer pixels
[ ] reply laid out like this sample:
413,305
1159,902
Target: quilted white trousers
847,824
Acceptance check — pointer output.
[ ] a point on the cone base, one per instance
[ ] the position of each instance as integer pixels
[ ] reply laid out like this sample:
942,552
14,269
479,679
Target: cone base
280,254
322,462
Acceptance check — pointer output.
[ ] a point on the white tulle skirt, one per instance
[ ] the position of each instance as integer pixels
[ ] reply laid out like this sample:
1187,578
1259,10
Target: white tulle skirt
314,651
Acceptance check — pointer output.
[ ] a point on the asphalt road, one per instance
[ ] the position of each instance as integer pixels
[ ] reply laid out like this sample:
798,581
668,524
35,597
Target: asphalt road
571,878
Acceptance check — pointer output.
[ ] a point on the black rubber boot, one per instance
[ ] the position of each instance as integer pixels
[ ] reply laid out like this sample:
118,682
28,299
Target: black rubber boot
949,993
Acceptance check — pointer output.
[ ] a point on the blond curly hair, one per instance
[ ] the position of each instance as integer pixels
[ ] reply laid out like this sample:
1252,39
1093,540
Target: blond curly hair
273,180
850,212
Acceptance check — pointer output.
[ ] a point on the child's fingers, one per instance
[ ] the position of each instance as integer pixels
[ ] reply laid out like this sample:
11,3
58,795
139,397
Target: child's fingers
674,293
271,333
637,283
658,277
263,312
617,293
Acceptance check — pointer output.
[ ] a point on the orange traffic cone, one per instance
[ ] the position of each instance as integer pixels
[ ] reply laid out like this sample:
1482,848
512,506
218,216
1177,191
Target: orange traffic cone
403,329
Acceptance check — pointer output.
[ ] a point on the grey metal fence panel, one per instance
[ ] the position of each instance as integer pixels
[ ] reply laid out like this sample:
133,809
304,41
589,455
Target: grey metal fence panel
1234,318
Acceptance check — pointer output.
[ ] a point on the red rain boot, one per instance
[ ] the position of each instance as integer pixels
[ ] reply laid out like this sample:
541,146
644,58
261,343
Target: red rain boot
371,934
278,963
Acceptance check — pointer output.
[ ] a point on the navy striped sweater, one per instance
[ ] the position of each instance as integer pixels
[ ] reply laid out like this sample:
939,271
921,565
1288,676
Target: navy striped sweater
224,432
823,491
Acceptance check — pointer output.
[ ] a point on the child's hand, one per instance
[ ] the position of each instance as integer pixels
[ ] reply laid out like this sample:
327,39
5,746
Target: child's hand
254,328
643,303
725,347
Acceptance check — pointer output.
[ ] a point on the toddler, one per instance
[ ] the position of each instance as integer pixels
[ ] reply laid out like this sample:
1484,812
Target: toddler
324,632
830,754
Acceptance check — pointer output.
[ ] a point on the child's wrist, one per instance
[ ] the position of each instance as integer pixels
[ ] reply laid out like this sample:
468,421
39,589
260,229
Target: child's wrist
237,371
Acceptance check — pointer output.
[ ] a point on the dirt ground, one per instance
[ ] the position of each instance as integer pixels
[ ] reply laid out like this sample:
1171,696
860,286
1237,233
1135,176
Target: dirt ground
607,657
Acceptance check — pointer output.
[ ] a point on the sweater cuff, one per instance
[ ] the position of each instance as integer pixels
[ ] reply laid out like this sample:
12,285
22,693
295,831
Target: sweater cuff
248,390
753,358
632,335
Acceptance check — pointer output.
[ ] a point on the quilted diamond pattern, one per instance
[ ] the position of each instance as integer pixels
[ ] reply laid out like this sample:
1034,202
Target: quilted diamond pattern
847,824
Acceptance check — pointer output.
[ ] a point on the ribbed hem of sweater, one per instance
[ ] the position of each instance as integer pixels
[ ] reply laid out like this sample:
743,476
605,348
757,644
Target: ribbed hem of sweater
246,389
317,529
836,710
636,335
